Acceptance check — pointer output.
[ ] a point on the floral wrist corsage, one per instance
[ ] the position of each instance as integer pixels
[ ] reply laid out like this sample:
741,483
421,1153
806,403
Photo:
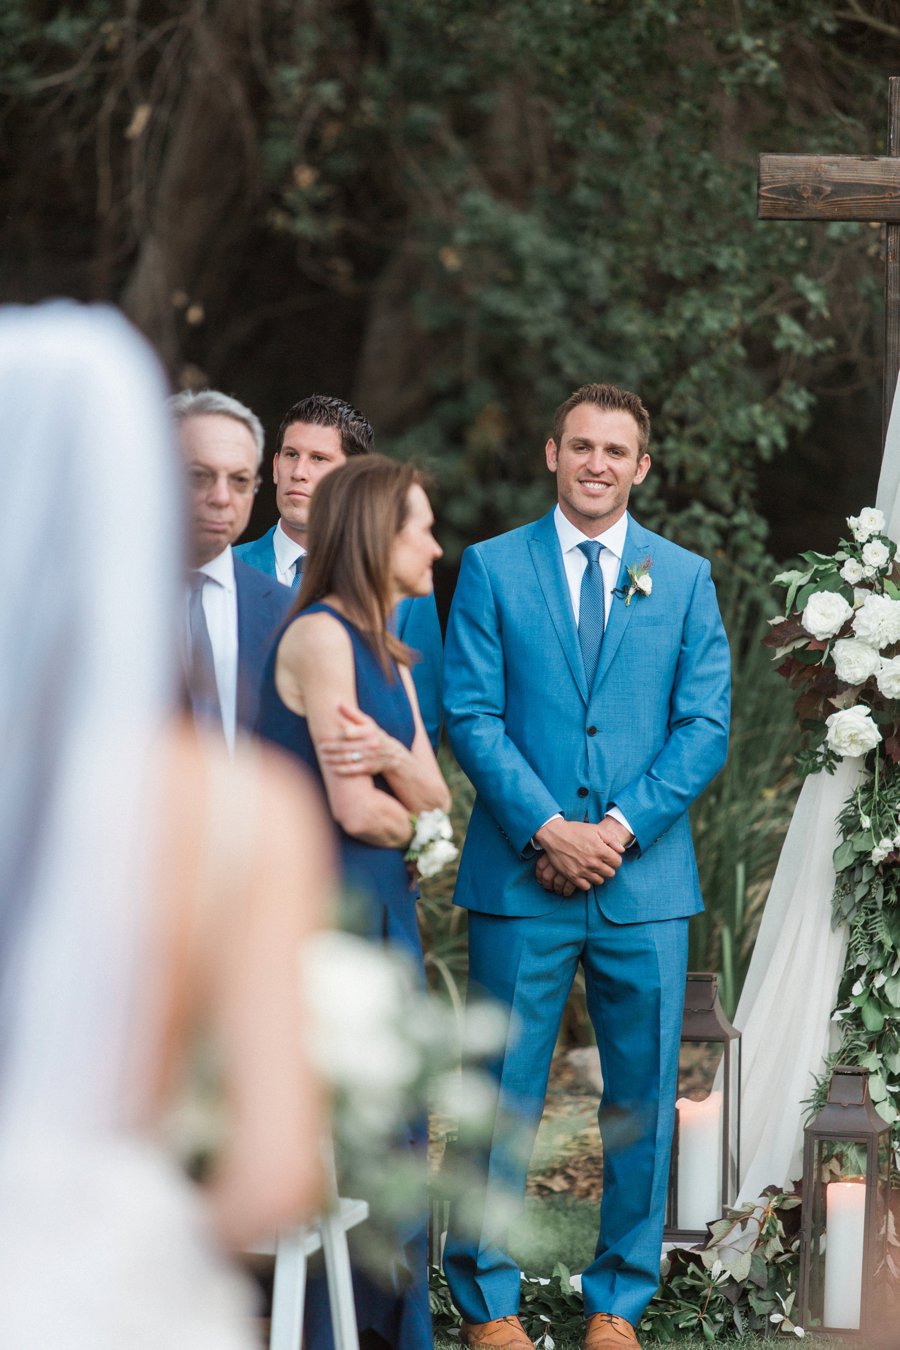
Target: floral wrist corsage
431,848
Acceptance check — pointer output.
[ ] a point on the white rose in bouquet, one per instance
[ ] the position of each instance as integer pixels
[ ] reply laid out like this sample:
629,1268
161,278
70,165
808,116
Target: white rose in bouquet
889,677
825,614
854,661
852,571
852,731
869,521
876,554
877,621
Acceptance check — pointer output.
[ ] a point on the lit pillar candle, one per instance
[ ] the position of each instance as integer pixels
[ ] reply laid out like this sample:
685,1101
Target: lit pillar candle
845,1220
699,1161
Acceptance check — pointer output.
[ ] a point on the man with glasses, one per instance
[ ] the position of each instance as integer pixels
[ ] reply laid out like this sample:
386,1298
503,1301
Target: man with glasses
232,610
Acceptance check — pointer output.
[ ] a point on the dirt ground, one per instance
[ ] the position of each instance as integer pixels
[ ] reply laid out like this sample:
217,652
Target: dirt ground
568,1159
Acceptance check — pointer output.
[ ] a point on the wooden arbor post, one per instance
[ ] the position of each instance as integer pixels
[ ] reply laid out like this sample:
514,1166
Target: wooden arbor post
847,187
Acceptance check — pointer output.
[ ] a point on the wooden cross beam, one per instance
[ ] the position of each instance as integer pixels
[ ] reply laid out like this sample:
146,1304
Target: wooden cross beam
848,187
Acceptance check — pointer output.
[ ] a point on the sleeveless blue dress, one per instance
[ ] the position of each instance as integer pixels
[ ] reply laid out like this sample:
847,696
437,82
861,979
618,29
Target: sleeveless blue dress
398,1316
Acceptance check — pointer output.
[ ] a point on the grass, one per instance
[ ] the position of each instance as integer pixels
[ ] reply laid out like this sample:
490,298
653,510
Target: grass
698,1343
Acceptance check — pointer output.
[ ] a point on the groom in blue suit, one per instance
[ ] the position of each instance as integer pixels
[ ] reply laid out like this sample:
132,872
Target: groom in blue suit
587,698
316,436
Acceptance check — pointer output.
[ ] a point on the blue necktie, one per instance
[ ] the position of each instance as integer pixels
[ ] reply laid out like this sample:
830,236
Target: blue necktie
298,571
592,609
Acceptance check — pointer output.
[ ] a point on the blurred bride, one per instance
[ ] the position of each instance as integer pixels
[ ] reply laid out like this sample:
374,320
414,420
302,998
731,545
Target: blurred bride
149,896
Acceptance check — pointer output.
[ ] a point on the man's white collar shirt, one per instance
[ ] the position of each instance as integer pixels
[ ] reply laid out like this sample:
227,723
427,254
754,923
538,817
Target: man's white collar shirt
220,610
287,551
574,561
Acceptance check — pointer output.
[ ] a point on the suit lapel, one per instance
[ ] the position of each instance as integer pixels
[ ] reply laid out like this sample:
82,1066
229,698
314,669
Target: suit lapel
546,556
636,549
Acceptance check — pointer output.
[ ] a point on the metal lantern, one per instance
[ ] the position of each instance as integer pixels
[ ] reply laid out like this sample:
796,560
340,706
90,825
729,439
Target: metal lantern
846,1197
703,1174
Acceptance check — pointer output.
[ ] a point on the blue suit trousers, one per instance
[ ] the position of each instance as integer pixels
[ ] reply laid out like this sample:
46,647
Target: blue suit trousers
634,979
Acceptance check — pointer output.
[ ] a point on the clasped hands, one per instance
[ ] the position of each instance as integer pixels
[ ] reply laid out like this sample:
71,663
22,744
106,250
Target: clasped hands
578,855
360,747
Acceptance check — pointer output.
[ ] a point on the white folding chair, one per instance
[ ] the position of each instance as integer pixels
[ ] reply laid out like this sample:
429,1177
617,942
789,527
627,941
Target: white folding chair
292,1250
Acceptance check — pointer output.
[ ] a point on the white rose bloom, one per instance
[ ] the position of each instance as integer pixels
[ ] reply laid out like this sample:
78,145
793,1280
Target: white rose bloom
431,825
852,571
881,850
889,677
436,856
865,822
825,614
644,584
854,661
852,731
869,521
877,621
876,554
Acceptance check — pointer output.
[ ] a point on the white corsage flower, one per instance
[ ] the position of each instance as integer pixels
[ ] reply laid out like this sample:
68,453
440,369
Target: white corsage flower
869,521
430,847
876,554
877,621
854,661
889,677
852,732
852,571
825,614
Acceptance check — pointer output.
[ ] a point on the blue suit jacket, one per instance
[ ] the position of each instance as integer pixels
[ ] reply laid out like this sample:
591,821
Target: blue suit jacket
417,625
261,606
647,737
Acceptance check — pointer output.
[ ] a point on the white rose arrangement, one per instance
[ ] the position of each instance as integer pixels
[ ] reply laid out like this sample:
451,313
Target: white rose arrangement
838,640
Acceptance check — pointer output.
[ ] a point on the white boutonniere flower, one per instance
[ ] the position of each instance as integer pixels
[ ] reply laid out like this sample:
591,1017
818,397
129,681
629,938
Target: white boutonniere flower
641,582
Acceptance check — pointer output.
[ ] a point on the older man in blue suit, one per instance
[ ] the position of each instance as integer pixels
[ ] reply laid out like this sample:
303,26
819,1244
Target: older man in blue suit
587,697
233,612
316,436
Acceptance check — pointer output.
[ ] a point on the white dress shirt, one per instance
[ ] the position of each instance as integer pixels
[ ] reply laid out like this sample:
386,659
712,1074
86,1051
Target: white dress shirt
287,551
220,611
574,562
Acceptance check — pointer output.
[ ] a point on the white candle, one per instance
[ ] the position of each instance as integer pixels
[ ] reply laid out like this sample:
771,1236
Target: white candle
699,1161
845,1219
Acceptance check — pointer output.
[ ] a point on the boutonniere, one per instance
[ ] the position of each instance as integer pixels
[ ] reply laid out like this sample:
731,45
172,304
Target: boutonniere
640,579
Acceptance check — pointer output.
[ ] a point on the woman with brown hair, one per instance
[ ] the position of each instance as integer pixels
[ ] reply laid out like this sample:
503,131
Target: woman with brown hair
338,693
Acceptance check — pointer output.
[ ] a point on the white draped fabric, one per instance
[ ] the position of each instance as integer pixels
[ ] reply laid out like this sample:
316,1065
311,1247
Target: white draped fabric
784,1013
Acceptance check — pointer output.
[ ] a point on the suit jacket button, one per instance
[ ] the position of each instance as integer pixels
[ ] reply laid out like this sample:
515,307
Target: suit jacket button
582,792
592,731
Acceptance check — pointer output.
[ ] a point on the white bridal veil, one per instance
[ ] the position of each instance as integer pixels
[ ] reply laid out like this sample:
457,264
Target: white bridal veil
89,556
784,1013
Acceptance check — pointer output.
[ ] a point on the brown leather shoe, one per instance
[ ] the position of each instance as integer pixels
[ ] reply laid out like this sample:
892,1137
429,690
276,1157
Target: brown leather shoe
605,1331
501,1333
